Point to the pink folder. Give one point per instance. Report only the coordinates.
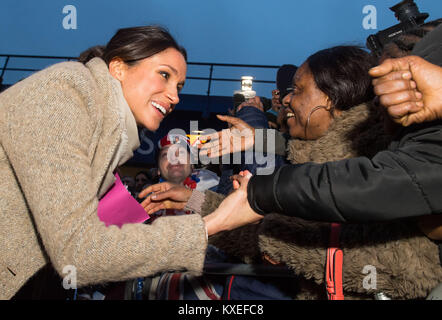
(118, 207)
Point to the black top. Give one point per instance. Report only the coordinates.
(403, 181)
(430, 47)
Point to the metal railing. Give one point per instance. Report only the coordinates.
(210, 78)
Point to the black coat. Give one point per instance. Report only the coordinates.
(403, 181)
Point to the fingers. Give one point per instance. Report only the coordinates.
(156, 197)
(209, 140)
(241, 179)
(387, 86)
(228, 119)
(393, 76)
(206, 138)
(390, 65)
(153, 188)
(149, 205)
(156, 202)
(246, 173)
(154, 207)
(400, 97)
(401, 110)
(213, 150)
(417, 117)
(236, 184)
(146, 202)
(218, 146)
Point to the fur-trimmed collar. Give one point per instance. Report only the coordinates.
(358, 131)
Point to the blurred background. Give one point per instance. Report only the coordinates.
(225, 39)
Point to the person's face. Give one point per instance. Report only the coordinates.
(140, 181)
(151, 86)
(304, 98)
(174, 163)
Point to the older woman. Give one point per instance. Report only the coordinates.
(63, 133)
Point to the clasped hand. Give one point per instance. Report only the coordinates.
(410, 88)
(233, 212)
(164, 195)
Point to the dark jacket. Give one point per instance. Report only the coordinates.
(403, 181)
(406, 261)
(430, 47)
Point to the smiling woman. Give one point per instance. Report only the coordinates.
(151, 68)
(63, 133)
(151, 86)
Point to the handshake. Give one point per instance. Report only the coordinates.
(233, 212)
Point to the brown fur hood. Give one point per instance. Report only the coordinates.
(394, 258)
(357, 132)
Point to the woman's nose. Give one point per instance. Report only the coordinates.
(173, 97)
(286, 100)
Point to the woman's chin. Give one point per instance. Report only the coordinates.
(292, 132)
(152, 125)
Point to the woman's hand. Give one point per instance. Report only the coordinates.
(239, 137)
(165, 195)
(410, 88)
(234, 211)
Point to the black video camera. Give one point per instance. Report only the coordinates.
(409, 17)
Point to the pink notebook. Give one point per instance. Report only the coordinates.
(118, 207)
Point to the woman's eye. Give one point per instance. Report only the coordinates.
(165, 74)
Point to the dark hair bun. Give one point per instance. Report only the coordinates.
(134, 44)
(91, 53)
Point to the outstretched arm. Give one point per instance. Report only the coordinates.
(401, 182)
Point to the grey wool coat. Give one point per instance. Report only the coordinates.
(59, 130)
(394, 258)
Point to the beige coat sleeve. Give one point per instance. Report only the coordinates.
(48, 142)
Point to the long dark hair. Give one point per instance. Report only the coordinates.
(134, 44)
(342, 74)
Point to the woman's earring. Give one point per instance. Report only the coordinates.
(309, 116)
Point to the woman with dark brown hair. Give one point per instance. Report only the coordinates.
(63, 133)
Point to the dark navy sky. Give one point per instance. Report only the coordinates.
(224, 31)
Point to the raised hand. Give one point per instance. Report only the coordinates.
(239, 137)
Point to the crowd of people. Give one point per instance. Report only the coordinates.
(356, 180)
